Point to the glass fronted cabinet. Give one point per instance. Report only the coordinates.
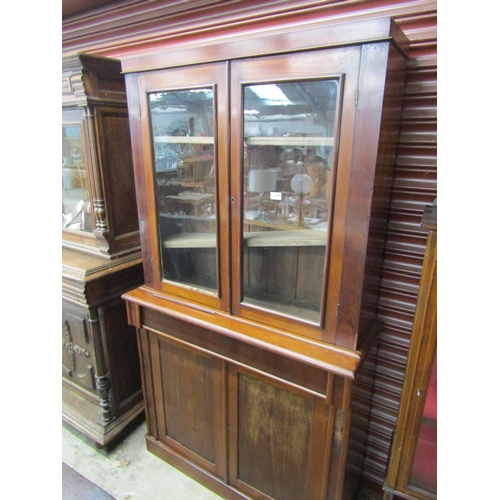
(412, 467)
(263, 171)
(257, 196)
(99, 208)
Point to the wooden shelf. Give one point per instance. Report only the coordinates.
(300, 238)
(296, 237)
(180, 139)
(289, 141)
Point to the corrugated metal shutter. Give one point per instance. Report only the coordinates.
(415, 185)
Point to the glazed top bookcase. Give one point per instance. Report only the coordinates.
(99, 208)
(264, 173)
(263, 168)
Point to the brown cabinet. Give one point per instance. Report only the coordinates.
(101, 251)
(412, 469)
(263, 169)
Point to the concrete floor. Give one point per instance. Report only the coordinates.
(129, 471)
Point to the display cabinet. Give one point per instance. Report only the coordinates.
(101, 257)
(263, 169)
(412, 469)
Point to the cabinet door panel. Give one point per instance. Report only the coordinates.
(190, 402)
(78, 360)
(277, 438)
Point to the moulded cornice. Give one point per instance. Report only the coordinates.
(134, 26)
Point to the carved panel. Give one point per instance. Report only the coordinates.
(77, 359)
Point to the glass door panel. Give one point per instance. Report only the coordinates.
(288, 158)
(182, 125)
(424, 468)
(75, 191)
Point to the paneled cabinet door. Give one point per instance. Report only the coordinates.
(278, 438)
(189, 396)
(78, 361)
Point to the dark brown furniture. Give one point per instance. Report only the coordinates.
(412, 468)
(77, 487)
(263, 169)
(101, 385)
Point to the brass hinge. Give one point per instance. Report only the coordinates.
(357, 97)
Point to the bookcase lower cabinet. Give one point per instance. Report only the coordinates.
(245, 420)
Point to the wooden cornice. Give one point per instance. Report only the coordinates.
(132, 26)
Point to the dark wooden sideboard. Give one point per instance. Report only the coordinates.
(101, 258)
(263, 219)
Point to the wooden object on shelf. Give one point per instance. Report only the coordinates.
(412, 467)
(256, 383)
(101, 259)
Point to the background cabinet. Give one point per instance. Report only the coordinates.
(412, 469)
(212, 304)
(101, 251)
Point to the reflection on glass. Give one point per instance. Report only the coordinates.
(288, 159)
(183, 148)
(75, 193)
(424, 469)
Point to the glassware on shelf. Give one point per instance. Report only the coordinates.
(75, 194)
(288, 132)
(184, 164)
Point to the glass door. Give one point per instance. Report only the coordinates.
(291, 108)
(184, 167)
(187, 175)
(76, 213)
(289, 137)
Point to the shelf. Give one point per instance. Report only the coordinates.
(175, 139)
(289, 141)
(299, 237)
